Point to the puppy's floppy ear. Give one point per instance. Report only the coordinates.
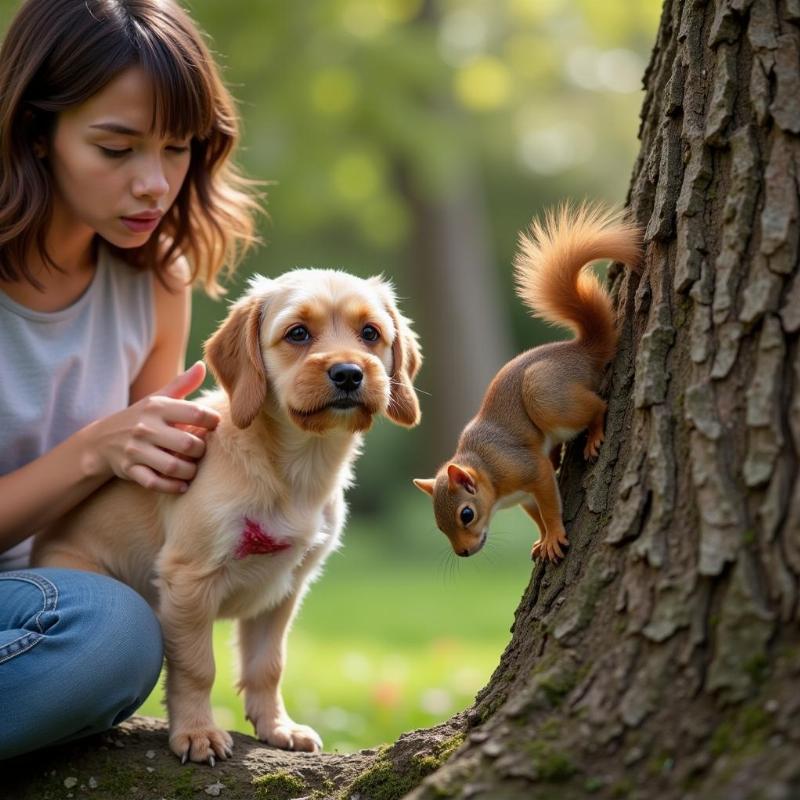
(234, 355)
(406, 360)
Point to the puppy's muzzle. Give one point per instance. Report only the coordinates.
(346, 378)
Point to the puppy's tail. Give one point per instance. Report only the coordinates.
(550, 275)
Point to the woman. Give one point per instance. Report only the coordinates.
(116, 194)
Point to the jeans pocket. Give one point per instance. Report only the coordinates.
(19, 645)
(39, 617)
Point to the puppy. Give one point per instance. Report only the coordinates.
(306, 361)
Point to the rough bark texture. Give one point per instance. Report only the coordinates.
(661, 658)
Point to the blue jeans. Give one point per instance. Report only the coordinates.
(79, 653)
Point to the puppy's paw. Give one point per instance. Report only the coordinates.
(205, 743)
(288, 735)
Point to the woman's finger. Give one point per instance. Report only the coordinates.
(185, 412)
(168, 464)
(201, 433)
(181, 442)
(149, 479)
(188, 381)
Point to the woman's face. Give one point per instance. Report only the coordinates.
(112, 174)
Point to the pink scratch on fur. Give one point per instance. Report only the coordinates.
(256, 541)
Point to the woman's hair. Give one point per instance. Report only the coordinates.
(57, 54)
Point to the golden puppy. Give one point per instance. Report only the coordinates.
(306, 361)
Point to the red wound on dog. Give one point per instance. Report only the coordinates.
(256, 541)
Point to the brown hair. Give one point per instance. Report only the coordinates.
(57, 54)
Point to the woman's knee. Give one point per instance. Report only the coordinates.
(94, 664)
(120, 631)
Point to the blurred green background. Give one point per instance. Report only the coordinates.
(415, 139)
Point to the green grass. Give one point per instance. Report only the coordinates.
(398, 633)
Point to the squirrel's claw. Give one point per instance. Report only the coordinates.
(550, 547)
(592, 449)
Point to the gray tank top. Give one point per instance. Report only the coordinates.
(60, 371)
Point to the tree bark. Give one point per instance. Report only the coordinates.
(662, 657)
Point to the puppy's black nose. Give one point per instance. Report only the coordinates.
(464, 553)
(346, 377)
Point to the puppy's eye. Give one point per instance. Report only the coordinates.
(298, 334)
(369, 333)
(466, 516)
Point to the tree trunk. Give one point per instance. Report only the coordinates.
(460, 318)
(662, 657)
(461, 323)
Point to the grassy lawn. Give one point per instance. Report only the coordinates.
(398, 633)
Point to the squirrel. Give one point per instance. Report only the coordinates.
(510, 451)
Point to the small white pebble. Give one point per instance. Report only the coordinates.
(493, 748)
(214, 789)
(69, 783)
(150, 769)
(771, 706)
(92, 783)
(150, 754)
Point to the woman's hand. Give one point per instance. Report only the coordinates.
(158, 440)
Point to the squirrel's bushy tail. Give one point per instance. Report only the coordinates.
(550, 275)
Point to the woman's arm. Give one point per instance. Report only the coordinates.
(173, 305)
(156, 441)
(142, 443)
(45, 489)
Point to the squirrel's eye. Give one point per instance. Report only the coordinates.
(466, 515)
(369, 333)
(298, 334)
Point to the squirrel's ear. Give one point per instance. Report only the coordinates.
(460, 477)
(425, 485)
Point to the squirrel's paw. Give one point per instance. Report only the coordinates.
(593, 443)
(550, 547)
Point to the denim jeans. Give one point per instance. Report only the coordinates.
(79, 653)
